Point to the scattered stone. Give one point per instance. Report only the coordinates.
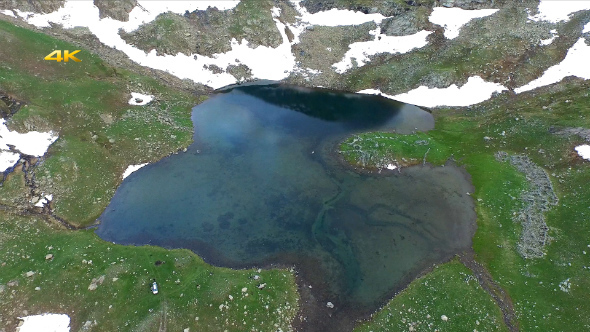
(330, 305)
(256, 277)
(29, 274)
(37, 288)
(444, 318)
(12, 283)
(244, 290)
(261, 286)
(49, 257)
(95, 282)
(230, 297)
(537, 200)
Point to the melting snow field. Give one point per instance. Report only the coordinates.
(555, 11)
(8, 159)
(361, 51)
(452, 19)
(278, 63)
(574, 64)
(32, 143)
(583, 151)
(45, 323)
(132, 168)
(474, 91)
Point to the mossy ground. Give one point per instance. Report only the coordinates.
(452, 291)
(99, 136)
(86, 103)
(191, 292)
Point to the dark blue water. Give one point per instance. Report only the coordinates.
(263, 184)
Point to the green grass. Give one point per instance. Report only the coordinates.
(99, 135)
(450, 290)
(518, 124)
(86, 103)
(189, 288)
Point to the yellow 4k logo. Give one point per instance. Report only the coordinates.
(56, 55)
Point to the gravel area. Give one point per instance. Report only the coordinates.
(537, 199)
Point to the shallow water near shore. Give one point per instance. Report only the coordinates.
(263, 184)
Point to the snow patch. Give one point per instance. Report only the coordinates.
(375, 92)
(132, 168)
(586, 28)
(574, 64)
(474, 91)
(583, 151)
(265, 62)
(140, 99)
(452, 19)
(32, 143)
(360, 51)
(8, 159)
(556, 11)
(7, 12)
(45, 200)
(46, 323)
(335, 17)
(391, 166)
(548, 41)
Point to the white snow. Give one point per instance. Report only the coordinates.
(45, 323)
(583, 151)
(8, 159)
(548, 41)
(376, 92)
(574, 64)
(46, 199)
(586, 28)
(32, 143)
(452, 19)
(555, 11)
(132, 168)
(335, 17)
(265, 62)
(145, 99)
(7, 12)
(474, 91)
(360, 51)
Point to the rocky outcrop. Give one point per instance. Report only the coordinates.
(117, 9)
(207, 32)
(8, 105)
(37, 6)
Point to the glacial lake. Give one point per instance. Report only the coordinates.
(263, 185)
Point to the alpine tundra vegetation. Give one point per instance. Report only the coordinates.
(507, 84)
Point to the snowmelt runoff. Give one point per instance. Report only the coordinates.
(278, 63)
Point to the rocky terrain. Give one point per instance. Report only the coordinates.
(530, 250)
(537, 200)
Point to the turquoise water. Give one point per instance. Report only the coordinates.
(263, 184)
